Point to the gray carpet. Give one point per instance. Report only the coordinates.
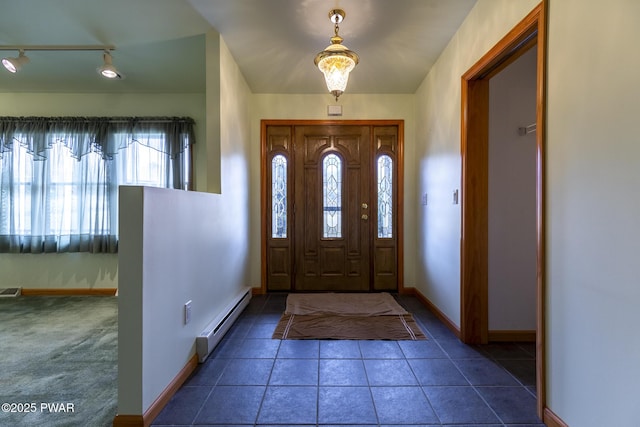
(57, 350)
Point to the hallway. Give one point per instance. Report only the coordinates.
(253, 380)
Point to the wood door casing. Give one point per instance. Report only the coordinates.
(359, 260)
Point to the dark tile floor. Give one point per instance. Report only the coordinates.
(253, 380)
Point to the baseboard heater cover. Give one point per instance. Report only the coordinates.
(213, 333)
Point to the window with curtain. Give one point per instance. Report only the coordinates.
(59, 177)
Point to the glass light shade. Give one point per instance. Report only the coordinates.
(336, 62)
(336, 71)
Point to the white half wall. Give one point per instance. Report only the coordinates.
(512, 197)
(178, 246)
(437, 155)
(593, 212)
(173, 249)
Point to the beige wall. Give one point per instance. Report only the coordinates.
(438, 164)
(314, 107)
(593, 211)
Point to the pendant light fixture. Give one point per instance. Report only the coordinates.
(336, 61)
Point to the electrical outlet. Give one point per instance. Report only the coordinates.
(455, 197)
(187, 312)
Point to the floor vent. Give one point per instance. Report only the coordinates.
(9, 292)
(213, 333)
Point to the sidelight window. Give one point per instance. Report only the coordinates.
(279, 197)
(332, 196)
(385, 197)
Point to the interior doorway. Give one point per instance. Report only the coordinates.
(512, 201)
(474, 322)
(332, 205)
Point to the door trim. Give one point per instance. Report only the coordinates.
(474, 321)
(264, 123)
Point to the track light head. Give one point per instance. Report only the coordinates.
(108, 70)
(13, 65)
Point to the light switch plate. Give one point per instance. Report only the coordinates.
(187, 312)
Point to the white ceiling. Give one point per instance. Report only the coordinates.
(160, 43)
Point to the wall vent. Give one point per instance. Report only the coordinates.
(213, 333)
(9, 292)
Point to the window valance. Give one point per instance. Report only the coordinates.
(59, 176)
(104, 135)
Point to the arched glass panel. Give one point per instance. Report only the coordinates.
(332, 196)
(279, 197)
(385, 197)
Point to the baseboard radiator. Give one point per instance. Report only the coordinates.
(213, 333)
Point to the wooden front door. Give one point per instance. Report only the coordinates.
(331, 207)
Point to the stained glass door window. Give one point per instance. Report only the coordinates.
(279, 197)
(385, 197)
(332, 196)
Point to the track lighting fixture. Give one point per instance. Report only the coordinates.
(13, 65)
(107, 70)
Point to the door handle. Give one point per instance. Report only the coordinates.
(365, 216)
(365, 206)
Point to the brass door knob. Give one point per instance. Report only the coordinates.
(365, 206)
(364, 216)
